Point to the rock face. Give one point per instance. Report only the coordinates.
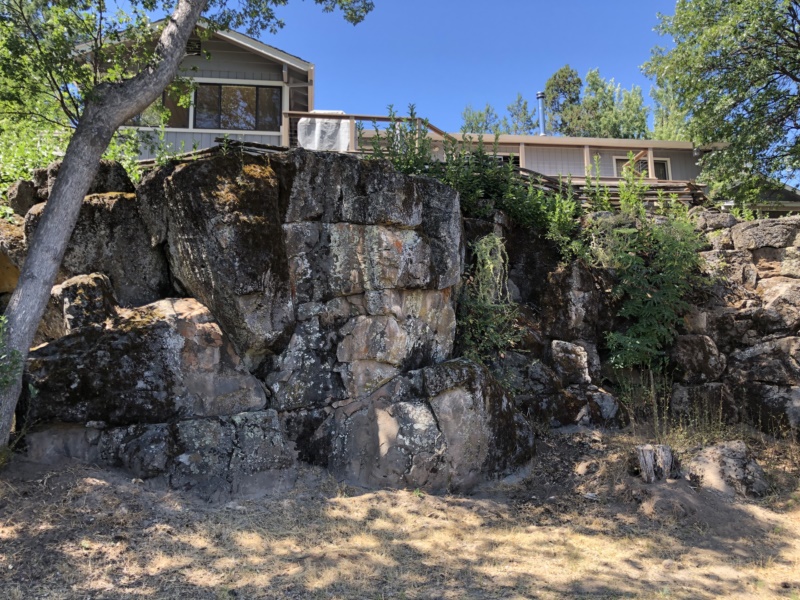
(735, 358)
(110, 238)
(111, 177)
(157, 363)
(440, 428)
(318, 327)
(304, 235)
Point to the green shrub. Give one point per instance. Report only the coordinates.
(404, 143)
(486, 315)
(656, 265)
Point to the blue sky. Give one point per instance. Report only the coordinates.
(445, 54)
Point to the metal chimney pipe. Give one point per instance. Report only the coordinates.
(540, 98)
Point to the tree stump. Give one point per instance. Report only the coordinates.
(655, 462)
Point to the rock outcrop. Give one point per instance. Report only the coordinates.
(736, 356)
(318, 324)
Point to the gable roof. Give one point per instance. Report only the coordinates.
(243, 41)
(256, 47)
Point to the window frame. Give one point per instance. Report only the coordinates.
(271, 83)
(220, 85)
(656, 159)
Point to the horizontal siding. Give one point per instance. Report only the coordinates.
(569, 161)
(231, 62)
(684, 165)
(179, 142)
(554, 161)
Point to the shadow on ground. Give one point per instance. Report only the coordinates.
(81, 532)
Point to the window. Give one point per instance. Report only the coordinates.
(237, 107)
(152, 115)
(660, 165)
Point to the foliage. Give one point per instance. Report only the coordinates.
(656, 265)
(520, 119)
(562, 95)
(480, 121)
(404, 143)
(595, 107)
(734, 70)
(486, 320)
(670, 119)
(597, 194)
(484, 182)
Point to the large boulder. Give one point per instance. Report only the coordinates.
(154, 364)
(245, 454)
(269, 244)
(110, 238)
(766, 233)
(445, 427)
(22, 196)
(12, 252)
(111, 177)
(697, 359)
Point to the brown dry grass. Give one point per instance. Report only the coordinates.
(81, 532)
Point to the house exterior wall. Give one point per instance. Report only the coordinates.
(555, 161)
(231, 64)
(558, 161)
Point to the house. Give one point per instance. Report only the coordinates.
(243, 86)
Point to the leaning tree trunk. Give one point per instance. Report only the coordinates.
(111, 106)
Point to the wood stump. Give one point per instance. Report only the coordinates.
(655, 462)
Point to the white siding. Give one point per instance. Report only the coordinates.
(182, 141)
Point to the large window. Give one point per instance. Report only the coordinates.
(237, 107)
(151, 116)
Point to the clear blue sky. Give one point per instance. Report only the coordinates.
(445, 54)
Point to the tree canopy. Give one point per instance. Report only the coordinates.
(519, 120)
(735, 70)
(595, 107)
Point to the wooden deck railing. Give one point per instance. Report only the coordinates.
(353, 120)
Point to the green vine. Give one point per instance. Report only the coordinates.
(487, 316)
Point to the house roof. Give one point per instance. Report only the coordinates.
(243, 41)
(550, 141)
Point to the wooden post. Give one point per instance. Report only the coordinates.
(587, 159)
(285, 130)
(353, 141)
(522, 161)
(651, 164)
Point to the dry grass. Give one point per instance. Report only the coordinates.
(89, 533)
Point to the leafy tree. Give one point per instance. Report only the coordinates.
(520, 120)
(480, 121)
(100, 69)
(594, 108)
(562, 96)
(735, 70)
(670, 119)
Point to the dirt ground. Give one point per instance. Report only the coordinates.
(580, 526)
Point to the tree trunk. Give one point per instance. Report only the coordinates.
(111, 106)
(655, 462)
